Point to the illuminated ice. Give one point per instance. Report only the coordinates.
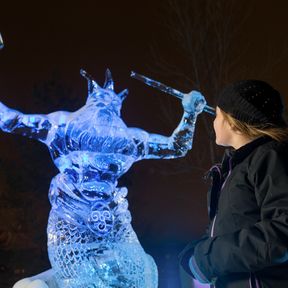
(91, 242)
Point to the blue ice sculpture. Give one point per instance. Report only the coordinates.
(91, 242)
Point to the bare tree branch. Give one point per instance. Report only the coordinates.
(201, 32)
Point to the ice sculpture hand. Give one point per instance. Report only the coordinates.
(193, 102)
(3, 109)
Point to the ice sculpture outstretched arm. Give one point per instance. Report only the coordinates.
(36, 126)
(181, 140)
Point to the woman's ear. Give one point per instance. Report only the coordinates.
(230, 125)
(235, 130)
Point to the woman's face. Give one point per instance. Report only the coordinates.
(223, 129)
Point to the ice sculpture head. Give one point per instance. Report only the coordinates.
(104, 96)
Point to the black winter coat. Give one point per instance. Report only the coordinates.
(247, 242)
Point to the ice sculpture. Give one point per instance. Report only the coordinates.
(91, 242)
(1, 42)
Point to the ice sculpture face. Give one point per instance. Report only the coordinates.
(91, 242)
(104, 97)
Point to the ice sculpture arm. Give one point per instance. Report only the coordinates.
(181, 140)
(35, 126)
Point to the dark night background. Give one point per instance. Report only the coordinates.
(187, 44)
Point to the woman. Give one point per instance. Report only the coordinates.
(247, 241)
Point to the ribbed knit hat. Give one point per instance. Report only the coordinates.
(253, 102)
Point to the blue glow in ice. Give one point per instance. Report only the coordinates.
(91, 242)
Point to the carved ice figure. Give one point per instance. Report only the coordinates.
(91, 242)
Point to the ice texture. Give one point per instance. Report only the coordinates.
(91, 242)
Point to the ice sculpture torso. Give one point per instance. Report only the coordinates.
(90, 238)
(91, 242)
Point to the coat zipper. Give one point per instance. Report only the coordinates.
(214, 219)
(257, 285)
(256, 282)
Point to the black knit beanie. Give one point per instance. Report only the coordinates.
(253, 102)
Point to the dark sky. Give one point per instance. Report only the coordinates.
(46, 38)
(43, 37)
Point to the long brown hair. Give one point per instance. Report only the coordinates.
(279, 134)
